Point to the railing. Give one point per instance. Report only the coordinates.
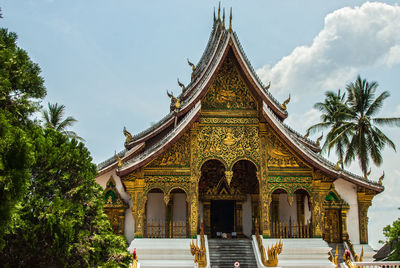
(199, 253)
(269, 258)
(164, 229)
(384, 264)
(291, 230)
(354, 255)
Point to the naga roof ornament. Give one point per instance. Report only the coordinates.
(118, 159)
(319, 139)
(182, 86)
(286, 102)
(381, 178)
(127, 134)
(175, 103)
(191, 65)
(307, 134)
(268, 86)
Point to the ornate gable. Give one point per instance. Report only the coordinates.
(279, 155)
(229, 90)
(176, 156)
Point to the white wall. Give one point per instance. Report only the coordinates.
(348, 192)
(307, 211)
(155, 207)
(285, 210)
(179, 207)
(246, 216)
(129, 222)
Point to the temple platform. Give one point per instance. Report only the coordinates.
(368, 252)
(305, 252)
(163, 252)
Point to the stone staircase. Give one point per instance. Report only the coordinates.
(225, 252)
(341, 249)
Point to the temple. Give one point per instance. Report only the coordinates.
(224, 155)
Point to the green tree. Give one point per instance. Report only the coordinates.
(366, 139)
(392, 235)
(54, 118)
(62, 222)
(334, 112)
(355, 127)
(21, 87)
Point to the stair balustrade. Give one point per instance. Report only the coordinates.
(164, 229)
(289, 229)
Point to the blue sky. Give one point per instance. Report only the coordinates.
(111, 62)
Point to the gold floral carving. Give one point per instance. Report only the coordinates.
(278, 155)
(226, 143)
(176, 156)
(364, 198)
(229, 91)
(228, 120)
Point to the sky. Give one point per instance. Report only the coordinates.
(111, 62)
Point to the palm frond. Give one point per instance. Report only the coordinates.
(390, 122)
(377, 104)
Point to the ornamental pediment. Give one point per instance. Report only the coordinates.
(229, 90)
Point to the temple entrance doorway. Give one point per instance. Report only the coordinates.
(222, 217)
(229, 200)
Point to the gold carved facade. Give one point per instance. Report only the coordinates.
(229, 130)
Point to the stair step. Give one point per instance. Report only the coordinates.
(224, 253)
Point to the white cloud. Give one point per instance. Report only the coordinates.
(352, 38)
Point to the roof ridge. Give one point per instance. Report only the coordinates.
(161, 141)
(254, 72)
(319, 157)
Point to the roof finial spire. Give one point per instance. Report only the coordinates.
(223, 18)
(219, 11)
(214, 15)
(230, 21)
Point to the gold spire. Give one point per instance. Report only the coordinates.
(214, 15)
(230, 21)
(223, 18)
(219, 11)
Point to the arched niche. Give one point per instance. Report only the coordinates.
(114, 207)
(155, 213)
(244, 179)
(335, 226)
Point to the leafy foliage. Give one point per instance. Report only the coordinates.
(20, 87)
(353, 126)
(63, 212)
(53, 118)
(51, 208)
(392, 234)
(20, 80)
(333, 113)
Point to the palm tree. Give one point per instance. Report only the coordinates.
(356, 127)
(367, 140)
(53, 118)
(334, 111)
